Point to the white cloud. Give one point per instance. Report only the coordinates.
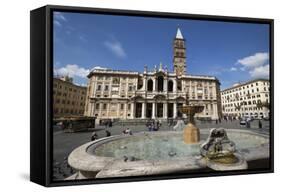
(242, 68)
(257, 65)
(99, 68)
(260, 72)
(57, 23)
(116, 47)
(72, 70)
(59, 18)
(256, 60)
(233, 69)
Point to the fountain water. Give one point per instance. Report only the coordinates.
(162, 152)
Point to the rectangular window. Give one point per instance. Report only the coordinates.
(106, 88)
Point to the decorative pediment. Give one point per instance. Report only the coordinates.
(180, 98)
(160, 73)
(159, 97)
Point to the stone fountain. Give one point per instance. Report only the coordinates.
(165, 152)
(191, 133)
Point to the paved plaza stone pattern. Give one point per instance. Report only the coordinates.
(65, 143)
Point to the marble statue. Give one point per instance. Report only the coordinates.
(217, 144)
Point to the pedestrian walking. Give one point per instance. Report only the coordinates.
(260, 124)
(149, 127)
(248, 125)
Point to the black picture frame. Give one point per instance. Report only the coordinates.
(41, 58)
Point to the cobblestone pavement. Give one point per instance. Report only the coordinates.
(65, 143)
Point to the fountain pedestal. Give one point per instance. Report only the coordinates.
(191, 134)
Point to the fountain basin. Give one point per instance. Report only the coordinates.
(150, 153)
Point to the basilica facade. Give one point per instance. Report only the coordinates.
(153, 94)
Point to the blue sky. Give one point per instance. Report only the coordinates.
(232, 52)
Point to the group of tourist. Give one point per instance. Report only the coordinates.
(106, 122)
(218, 120)
(95, 135)
(153, 125)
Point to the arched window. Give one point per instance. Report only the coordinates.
(150, 85)
(160, 83)
(170, 86)
(140, 82)
(179, 85)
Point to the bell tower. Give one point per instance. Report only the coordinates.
(179, 59)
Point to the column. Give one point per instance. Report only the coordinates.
(100, 107)
(107, 109)
(125, 112)
(118, 108)
(110, 89)
(154, 84)
(165, 89)
(165, 108)
(93, 107)
(175, 86)
(144, 86)
(153, 110)
(143, 110)
(215, 111)
(175, 110)
(132, 110)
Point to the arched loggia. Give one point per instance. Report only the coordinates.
(150, 85)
